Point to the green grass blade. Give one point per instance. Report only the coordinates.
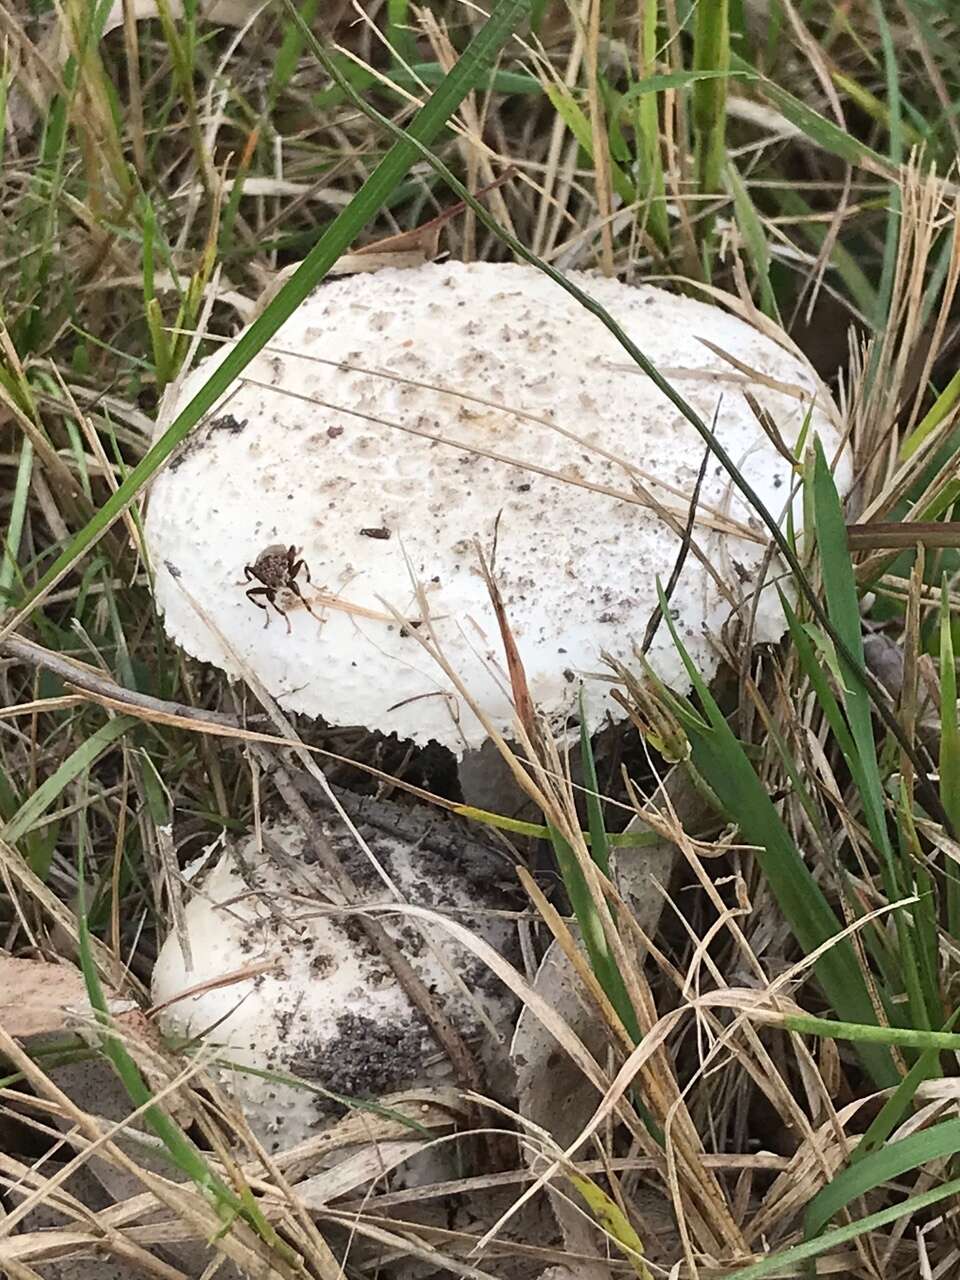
(18, 511)
(925, 930)
(682, 80)
(875, 107)
(719, 756)
(288, 55)
(569, 111)
(870, 1033)
(711, 52)
(891, 240)
(82, 758)
(813, 669)
(941, 407)
(581, 899)
(594, 936)
(469, 71)
(646, 124)
(926, 1067)
(399, 36)
(432, 73)
(599, 847)
(536, 830)
(949, 747)
(895, 1159)
(754, 239)
(822, 132)
(783, 1263)
(843, 609)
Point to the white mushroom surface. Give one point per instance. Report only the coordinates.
(396, 417)
(321, 1002)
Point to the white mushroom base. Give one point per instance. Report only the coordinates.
(397, 417)
(323, 1003)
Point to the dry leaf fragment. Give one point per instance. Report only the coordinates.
(39, 998)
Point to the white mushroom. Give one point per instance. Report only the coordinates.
(397, 417)
(319, 1001)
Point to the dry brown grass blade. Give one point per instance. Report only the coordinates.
(561, 156)
(890, 375)
(16, 871)
(431, 1108)
(603, 192)
(769, 328)
(819, 61)
(472, 141)
(99, 454)
(402, 1240)
(522, 700)
(188, 1203)
(880, 535)
(214, 984)
(54, 1244)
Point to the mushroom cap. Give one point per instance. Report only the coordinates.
(322, 1003)
(397, 417)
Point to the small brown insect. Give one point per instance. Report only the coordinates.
(277, 567)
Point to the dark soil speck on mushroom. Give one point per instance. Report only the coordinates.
(366, 1059)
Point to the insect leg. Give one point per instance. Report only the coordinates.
(295, 588)
(284, 615)
(262, 591)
